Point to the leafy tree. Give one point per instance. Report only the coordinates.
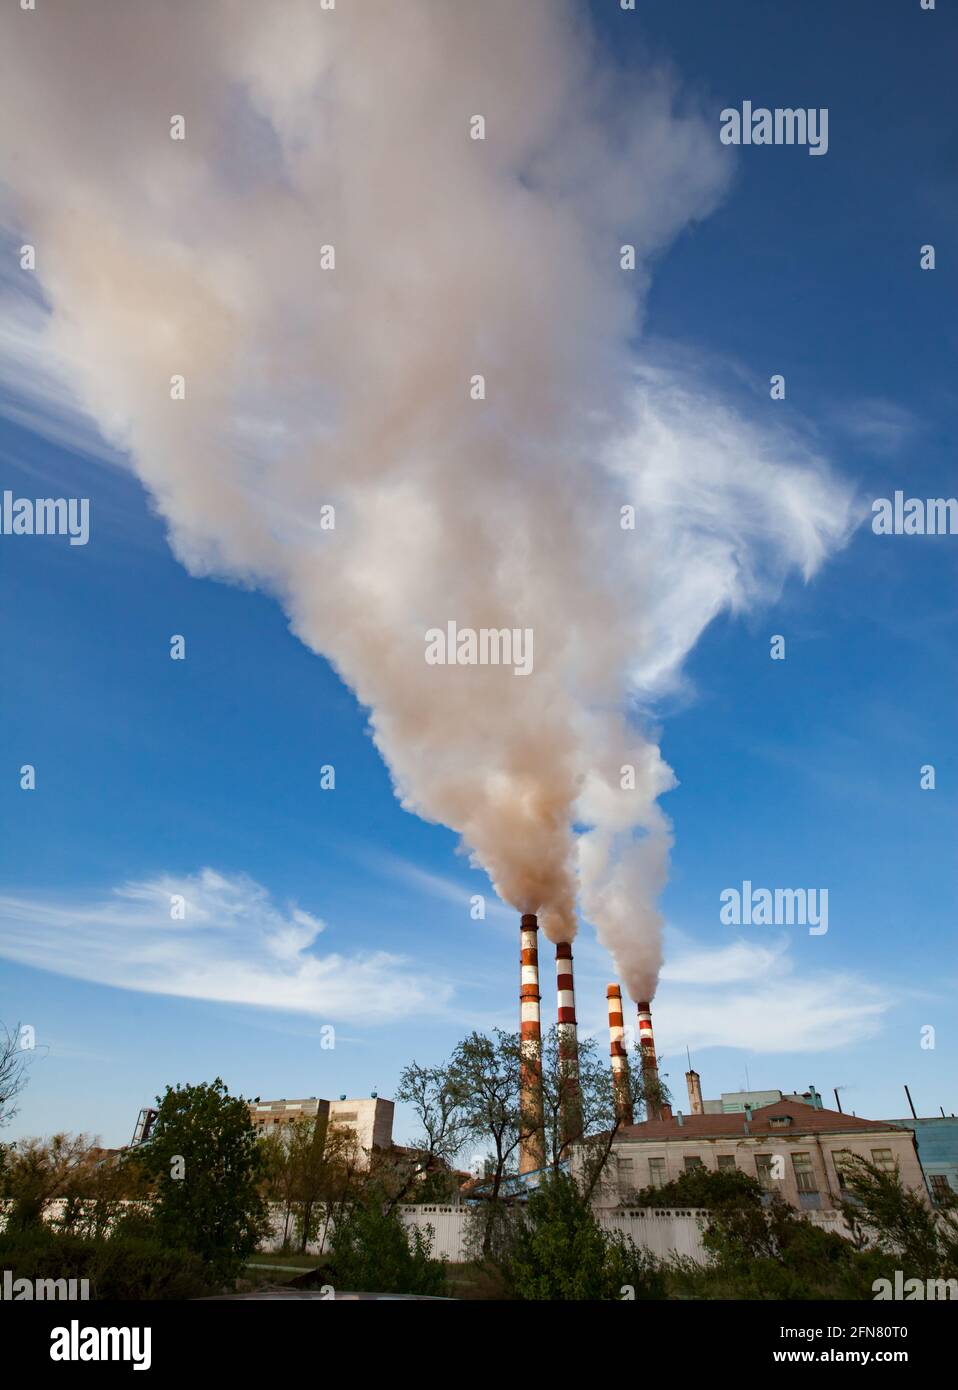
(39, 1171)
(762, 1248)
(308, 1162)
(432, 1094)
(207, 1170)
(560, 1252)
(484, 1077)
(899, 1221)
(373, 1252)
(602, 1112)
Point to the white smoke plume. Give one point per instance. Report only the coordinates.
(349, 387)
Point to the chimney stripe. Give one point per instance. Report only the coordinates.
(532, 1143)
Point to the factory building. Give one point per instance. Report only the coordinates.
(792, 1148)
(371, 1120)
(937, 1141)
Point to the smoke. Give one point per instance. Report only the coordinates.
(349, 387)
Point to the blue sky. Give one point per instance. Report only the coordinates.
(801, 773)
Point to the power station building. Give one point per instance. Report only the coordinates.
(370, 1120)
(792, 1148)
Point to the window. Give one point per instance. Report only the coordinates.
(692, 1162)
(940, 1186)
(656, 1172)
(841, 1157)
(883, 1159)
(804, 1173)
(768, 1170)
(726, 1161)
(625, 1167)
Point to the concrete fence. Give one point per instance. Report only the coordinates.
(665, 1231)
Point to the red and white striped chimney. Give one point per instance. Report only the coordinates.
(654, 1110)
(570, 1098)
(620, 1057)
(532, 1144)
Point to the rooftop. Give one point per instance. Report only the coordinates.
(793, 1117)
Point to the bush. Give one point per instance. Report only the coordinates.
(767, 1251)
(373, 1252)
(558, 1251)
(120, 1267)
(702, 1188)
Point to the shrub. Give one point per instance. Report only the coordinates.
(119, 1267)
(373, 1252)
(558, 1251)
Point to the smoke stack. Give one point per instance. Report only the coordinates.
(620, 1058)
(650, 1066)
(694, 1082)
(532, 1154)
(569, 1096)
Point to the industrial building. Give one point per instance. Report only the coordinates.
(791, 1148)
(371, 1120)
(937, 1141)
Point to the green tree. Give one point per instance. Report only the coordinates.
(373, 1252)
(207, 1170)
(558, 1251)
(899, 1221)
(701, 1187)
(39, 1171)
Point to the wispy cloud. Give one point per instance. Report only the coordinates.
(233, 945)
(440, 886)
(35, 390)
(880, 426)
(751, 996)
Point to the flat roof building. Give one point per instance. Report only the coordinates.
(370, 1119)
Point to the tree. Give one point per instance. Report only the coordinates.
(38, 1172)
(558, 1251)
(373, 1252)
(12, 1071)
(207, 1169)
(309, 1163)
(484, 1075)
(703, 1188)
(602, 1103)
(433, 1095)
(899, 1221)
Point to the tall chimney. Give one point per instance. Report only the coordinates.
(570, 1097)
(650, 1067)
(532, 1150)
(694, 1083)
(620, 1058)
